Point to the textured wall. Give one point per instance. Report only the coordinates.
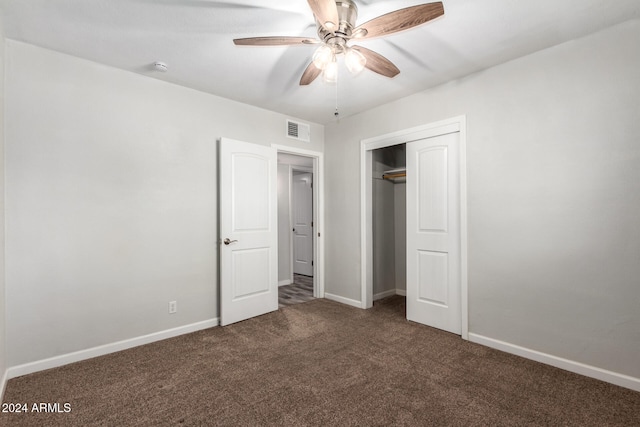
(111, 201)
(3, 353)
(553, 166)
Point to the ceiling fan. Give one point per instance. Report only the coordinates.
(336, 23)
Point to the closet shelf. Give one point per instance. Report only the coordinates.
(394, 174)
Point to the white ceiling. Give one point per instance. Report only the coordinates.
(194, 37)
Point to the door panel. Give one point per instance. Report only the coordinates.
(302, 223)
(432, 189)
(248, 220)
(247, 266)
(433, 277)
(433, 232)
(250, 198)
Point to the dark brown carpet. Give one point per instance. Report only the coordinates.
(320, 363)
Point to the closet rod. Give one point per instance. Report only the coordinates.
(394, 175)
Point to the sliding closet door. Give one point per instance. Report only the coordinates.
(433, 232)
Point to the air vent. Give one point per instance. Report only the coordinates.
(299, 131)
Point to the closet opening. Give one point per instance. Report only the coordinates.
(389, 201)
(414, 222)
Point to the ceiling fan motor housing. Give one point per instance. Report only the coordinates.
(347, 16)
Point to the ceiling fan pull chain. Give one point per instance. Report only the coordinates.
(337, 114)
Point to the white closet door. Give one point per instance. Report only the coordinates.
(433, 232)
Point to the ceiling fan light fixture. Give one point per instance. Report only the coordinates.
(355, 61)
(323, 56)
(330, 73)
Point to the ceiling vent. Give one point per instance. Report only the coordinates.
(299, 131)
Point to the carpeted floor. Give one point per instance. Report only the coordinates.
(319, 363)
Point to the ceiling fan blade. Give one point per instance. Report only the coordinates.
(399, 20)
(326, 12)
(309, 74)
(378, 63)
(274, 41)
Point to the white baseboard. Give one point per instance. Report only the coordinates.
(559, 362)
(384, 294)
(65, 359)
(284, 282)
(389, 293)
(3, 385)
(343, 300)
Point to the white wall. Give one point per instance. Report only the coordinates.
(553, 196)
(111, 201)
(3, 355)
(383, 216)
(284, 224)
(400, 234)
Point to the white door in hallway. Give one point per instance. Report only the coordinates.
(248, 230)
(302, 198)
(433, 232)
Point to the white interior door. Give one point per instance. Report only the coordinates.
(248, 230)
(433, 232)
(302, 201)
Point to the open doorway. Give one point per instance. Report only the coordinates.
(299, 223)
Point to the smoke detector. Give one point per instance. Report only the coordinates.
(160, 66)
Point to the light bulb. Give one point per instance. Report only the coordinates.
(330, 73)
(355, 61)
(322, 57)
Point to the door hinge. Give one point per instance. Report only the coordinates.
(312, 223)
(311, 263)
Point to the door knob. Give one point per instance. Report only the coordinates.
(227, 241)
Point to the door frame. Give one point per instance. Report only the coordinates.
(455, 124)
(318, 213)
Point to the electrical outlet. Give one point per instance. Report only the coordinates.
(173, 307)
